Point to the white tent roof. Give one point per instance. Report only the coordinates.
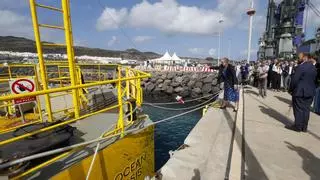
(175, 57)
(166, 56)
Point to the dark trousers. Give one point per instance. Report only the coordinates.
(287, 82)
(276, 81)
(269, 79)
(301, 111)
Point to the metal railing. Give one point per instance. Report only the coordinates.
(132, 89)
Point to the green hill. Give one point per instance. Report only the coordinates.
(20, 44)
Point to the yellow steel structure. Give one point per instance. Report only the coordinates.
(136, 77)
(40, 57)
(70, 52)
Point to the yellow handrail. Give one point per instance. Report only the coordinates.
(55, 90)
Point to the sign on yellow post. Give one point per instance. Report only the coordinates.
(131, 158)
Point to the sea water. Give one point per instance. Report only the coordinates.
(171, 134)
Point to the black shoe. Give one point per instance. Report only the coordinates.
(223, 107)
(305, 129)
(293, 128)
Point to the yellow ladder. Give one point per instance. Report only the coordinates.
(69, 45)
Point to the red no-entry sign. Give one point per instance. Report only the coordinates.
(22, 86)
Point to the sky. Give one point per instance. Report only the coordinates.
(187, 27)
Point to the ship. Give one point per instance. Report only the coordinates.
(71, 120)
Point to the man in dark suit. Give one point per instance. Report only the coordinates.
(302, 90)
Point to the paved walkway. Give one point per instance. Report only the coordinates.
(271, 151)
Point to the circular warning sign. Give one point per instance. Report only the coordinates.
(22, 86)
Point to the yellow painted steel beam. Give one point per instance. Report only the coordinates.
(49, 7)
(55, 90)
(40, 57)
(9, 70)
(120, 123)
(18, 65)
(71, 60)
(127, 84)
(51, 26)
(53, 44)
(38, 98)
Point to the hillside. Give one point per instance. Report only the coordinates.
(19, 44)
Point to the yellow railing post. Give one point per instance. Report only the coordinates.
(38, 89)
(59, 75)
(40, 57)
(9, 71)
(71, 61)
(139, 91)
(120, 124)
(99, 72)
(127, 84)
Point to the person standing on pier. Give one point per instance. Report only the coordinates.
(276, 76)
(302, 89)
(227, 75)
(287, 73)
(263, 75)
(270, 64)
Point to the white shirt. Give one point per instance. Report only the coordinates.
(276, 69)
(290, 70)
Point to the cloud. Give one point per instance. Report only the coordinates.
(14, 24)
(171, 17)
(140, 39)
(212, 52)
(196, 51)
(111, 19)
(113, 41)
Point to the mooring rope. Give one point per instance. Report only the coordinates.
(189, 100)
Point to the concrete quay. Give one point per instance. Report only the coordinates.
(250, 144)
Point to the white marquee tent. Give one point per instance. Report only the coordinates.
(168, 60)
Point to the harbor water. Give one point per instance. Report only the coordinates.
(170, 135)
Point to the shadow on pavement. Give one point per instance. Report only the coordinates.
(254, 169)
(197, 175)
(276, 115)
(287, 101)
(280, 117)
(314, 135)
(310, 163)
(252, 92)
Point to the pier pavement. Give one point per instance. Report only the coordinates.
(250, 144)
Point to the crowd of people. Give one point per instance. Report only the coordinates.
(274, 75)
(300, 78)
